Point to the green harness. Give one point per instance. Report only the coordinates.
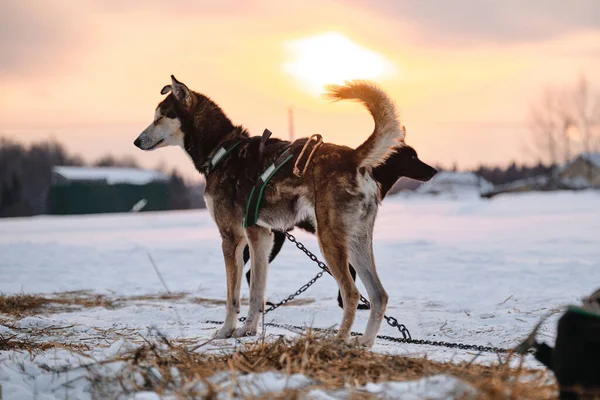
(251, 217)
(253, 205)
(581, 311)
(217, 155)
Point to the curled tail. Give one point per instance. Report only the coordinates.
(387, 133)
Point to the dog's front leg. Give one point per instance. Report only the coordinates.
(260, 241)
(233, 250)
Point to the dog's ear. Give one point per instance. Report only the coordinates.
(166, 89)
(182, 93)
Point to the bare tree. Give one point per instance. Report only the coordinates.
(566, 122)
(544, 124)
(586, 115)
(25, 175)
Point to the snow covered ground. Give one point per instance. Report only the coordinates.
(468, 270)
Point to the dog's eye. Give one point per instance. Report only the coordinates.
(158, 120)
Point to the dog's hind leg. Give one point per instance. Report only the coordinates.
(353, 275)
(360, 248)
(260, 241)
(341, 302)
(278, 241)
(333, 246)
(233, 251)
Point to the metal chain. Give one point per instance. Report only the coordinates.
(298, 292)
(310, 255)
(450, 345)
(393, 322)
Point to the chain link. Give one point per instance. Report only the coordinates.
(393, 322)
(304, 287)
(298, 292)
(450, 345)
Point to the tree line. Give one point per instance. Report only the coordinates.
(513, 172)
(26, 177)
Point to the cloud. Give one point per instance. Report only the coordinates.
(204, 7)
(500, 21)
(36, 34)
(40, 36)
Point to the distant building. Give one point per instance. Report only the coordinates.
(581, 173)
(455, 184)
(540, 183)
(82, 190)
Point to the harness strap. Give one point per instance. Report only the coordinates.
(215, 156)
(318, 139)
(263, 140)
(251, 217)
(581, 311)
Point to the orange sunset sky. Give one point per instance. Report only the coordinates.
(462, 72)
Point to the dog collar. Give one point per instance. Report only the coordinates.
(215, 157)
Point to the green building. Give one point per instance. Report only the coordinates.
(83, 190)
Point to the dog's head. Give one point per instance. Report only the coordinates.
(167, 127)
(406, 162)
(403, 162)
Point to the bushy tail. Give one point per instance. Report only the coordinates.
(387, 134)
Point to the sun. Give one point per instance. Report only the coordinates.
(333, 58)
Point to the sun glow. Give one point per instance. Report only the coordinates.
(333, 58)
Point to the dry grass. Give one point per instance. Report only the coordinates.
(331, 364)
(20, 343)
(26, 304)
(35, 340)
(38, 339)
(22, 305)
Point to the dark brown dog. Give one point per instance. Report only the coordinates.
(338, 195)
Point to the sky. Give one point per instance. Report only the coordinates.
(463, 73)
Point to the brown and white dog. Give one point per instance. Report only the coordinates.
(404, 162)
(338, 195)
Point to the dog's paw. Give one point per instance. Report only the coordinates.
(244, 331)
(223, 333)
(343, 337)
(364, 341)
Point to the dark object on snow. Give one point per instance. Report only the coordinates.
(575, 359)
